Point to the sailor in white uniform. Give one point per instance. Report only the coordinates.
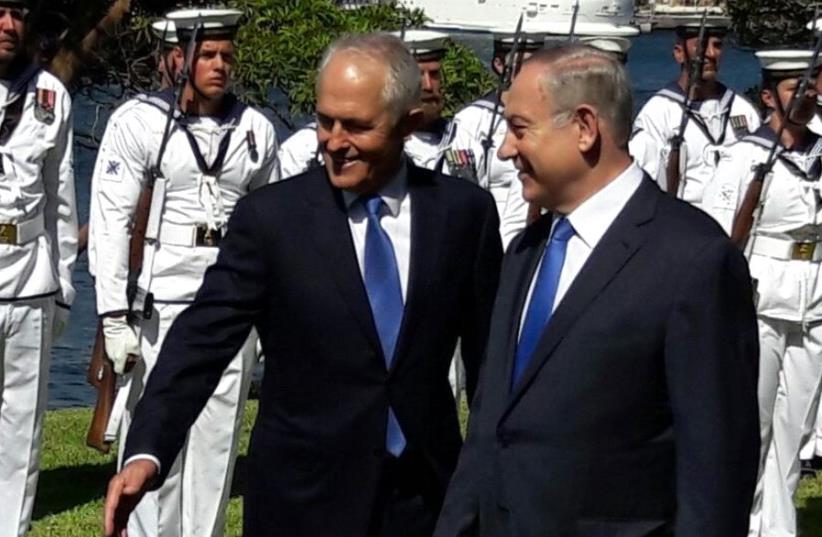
(217, 151)
(473, 153)
(718, 117)
(426, 146)
(38, 247)
(784, 253)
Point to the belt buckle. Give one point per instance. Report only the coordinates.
(8, 233)
(803, 251)
(208, 237)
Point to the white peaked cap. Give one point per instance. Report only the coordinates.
(165, 31)
(616, 45)
(426, 43)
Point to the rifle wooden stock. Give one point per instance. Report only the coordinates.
(744, 219)
(136, 245)
(672, 172)
(101, 376)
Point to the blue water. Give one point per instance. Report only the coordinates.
(651, 66)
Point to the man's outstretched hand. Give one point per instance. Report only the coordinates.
(125, 490)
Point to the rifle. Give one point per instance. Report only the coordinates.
(673, 168)
(750, 211)
(100, 372)
(504, 83)
(572, 32)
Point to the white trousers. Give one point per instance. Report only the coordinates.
(192, 500)
(790, 374)
(813, 447)
(25, 344)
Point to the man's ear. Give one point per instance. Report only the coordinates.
(411, 121)
(768, 98)
(587, 120)
(679, 52)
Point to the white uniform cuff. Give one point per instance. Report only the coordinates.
(144, 457)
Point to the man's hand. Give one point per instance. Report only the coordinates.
(122, 342)
(125, 490)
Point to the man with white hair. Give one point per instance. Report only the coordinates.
(358, 308)
(618, 397)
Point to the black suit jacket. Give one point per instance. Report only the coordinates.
(288, 267)
(637, 415)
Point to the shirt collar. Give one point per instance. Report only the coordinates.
(596, 214)
(392, 193)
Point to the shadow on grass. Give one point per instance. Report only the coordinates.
(810, 518)
(63, 489)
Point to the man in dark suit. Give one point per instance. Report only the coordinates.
(359, 277)
(618, 397)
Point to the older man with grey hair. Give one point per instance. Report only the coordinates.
(359, 278)
(618, 396)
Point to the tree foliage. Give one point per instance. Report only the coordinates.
(278, 47)
(760, 23)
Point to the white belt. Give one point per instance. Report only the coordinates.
(786, 249)
(189, 235)
(22, 232)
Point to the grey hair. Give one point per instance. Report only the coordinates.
(401, 92)
(579, 74)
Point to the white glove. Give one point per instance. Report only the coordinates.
(60, 321)
(259, 349)
(121, 342)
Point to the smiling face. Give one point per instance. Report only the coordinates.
(211, 73)
(360, 136)
(544, 148)
(688, 49)
(12, 33)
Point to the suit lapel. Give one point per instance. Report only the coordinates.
(428, 229)
(331, 234)
(617, 246)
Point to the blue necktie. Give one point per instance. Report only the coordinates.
(542, 297)
(382, 284)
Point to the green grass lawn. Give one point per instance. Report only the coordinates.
(74, 478)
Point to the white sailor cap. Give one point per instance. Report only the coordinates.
(217, 23)
(780, 64)
(528, 41)
(614, 45)
(425, 45)
(692, 29)
(165, 31)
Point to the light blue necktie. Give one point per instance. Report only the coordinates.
(382, 284)
(542, 297)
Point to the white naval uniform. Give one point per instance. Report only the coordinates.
(499, 177)
(192, 500)
(300, 151)
(789, 309)
(714, 125)
(813, 447)
(37, 196)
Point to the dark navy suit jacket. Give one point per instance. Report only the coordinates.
(637, 415)
(288, 267)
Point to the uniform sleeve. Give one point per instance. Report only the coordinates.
(115, 191)
(649, 143)
(711, 368)
(514, 215)
(724, 193)
(270, 170)
(297, 152)
(61, 204)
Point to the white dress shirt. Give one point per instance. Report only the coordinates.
(590, 222)
(396, 221)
